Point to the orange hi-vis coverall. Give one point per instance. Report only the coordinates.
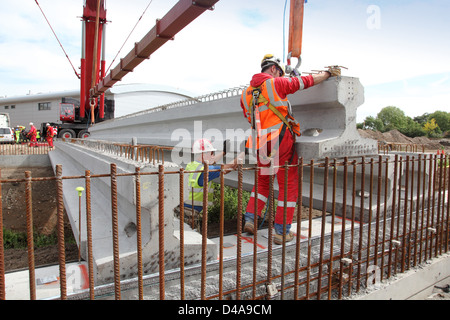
(274, 140)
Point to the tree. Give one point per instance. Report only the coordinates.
(392, 118)
(442, 119)
(372, 124)
(413, 129)
(432, 129)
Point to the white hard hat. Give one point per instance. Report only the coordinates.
(202, 145)
(47, 124)
(269, 60)
(31, 123)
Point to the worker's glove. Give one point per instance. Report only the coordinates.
(335, 71)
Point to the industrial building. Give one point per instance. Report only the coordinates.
(123, 98)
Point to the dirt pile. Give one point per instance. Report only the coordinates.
(394, 136)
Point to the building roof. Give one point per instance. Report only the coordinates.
(117, 89)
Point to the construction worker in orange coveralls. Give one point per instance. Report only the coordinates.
(267, 109)
(32, 135)
(49, 135)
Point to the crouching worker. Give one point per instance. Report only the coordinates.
(205, 152)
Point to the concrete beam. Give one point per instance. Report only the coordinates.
(326, 113)
(75, 161)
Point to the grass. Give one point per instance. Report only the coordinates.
(230, 203)
(18, 240)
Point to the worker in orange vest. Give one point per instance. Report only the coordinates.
(267, 109)
(49, 135)
(32, 135)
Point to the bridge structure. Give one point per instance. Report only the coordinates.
(326, 112)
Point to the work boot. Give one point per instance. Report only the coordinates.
(249, 227)
(278, 238)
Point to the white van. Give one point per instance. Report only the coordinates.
(6, 135)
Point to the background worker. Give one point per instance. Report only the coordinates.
(204, 151)
(266, 107)
(49, 135)
(32, 134)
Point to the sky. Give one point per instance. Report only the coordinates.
(399, 49)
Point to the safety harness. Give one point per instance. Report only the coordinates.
(258, 99)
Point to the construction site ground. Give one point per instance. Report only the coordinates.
(45, 215)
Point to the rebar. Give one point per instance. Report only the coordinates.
(61, 241)
(139, 232)
(89, 234)
(161, 232)
(413, 229)
(30, 240)
(115, 231)
(2, 253)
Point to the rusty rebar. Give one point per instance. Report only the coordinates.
(439, 223)
(383, 246)
(239, 233)
(182, 294)
(411, 211)
(161, 224)
(344, 218)
(255, 233)
(369, 224)
(271, 201)
(283, 245)
(322, 232)
(2, 254)
(427, 233)
(433, 202)
(30, 240)
(60, 233)
(350, 278)
(204, 228)
(361, 219)
(299, 226)
(115, 231)
(221, 222)
(417, 240)
(448, 203)
(139, 232)
(333, 215)
(378, 212)
(89, 234)
(311, 191)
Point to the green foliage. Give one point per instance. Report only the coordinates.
(371, 123)
(442, 119)
(390, 118)
(18, 240)
(230, 203)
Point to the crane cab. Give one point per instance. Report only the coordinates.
(67, 112)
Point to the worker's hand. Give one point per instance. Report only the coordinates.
(335, 71)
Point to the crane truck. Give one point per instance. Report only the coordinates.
(77, 115)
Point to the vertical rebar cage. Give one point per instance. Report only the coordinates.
(379, 217)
